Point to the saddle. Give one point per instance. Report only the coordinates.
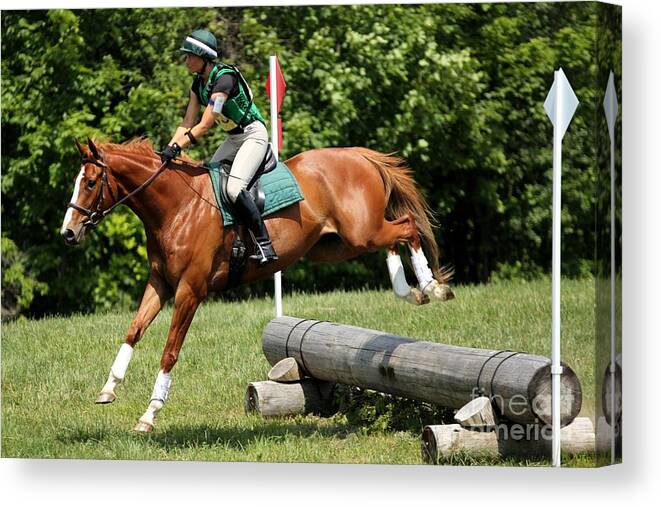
(255, 187)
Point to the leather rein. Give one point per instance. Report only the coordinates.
(95, 214)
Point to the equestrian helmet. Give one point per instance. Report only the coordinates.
(201, 43)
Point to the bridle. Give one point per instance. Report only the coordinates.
(95, 214)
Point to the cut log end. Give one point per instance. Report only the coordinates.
(429, 448)
(606, 389)
(251, 400)
(286, 370)
(477, 414)
(571, 396)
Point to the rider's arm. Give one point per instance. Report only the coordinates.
(190, 118)
(209, 116)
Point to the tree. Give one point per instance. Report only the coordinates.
(457, 89)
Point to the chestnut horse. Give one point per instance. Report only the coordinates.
(355, 200)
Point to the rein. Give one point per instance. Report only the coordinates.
(95, 216)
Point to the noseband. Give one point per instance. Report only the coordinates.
(95, 214)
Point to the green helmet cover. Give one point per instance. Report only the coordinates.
(201, 43)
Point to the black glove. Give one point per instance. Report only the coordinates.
(169, 152)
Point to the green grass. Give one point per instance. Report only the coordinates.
(52, 370)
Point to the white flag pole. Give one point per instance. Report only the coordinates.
(610, 109)
(560, 106)
(556, 369)
(277, 277)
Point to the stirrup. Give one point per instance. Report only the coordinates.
(265, 252)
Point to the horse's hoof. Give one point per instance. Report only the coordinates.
(438, 291)
(143, 427)
(416, 297)
(105, 398)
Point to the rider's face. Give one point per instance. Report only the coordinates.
(194, 63)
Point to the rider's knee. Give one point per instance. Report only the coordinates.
(234, 187)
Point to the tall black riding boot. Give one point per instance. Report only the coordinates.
(249, 214)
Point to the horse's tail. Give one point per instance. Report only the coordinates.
(403, 197)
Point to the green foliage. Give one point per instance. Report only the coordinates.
(515, 271)
(67, 74)
(373, 411)
(18, 287)
(455, 88)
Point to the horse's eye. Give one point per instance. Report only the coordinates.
(90, 184)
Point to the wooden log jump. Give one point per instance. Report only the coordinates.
(518, 384)
(521, 441)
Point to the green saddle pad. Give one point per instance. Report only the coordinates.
(280, 189)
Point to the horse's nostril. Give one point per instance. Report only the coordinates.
(69, 235)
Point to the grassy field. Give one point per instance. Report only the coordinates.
(52, 370)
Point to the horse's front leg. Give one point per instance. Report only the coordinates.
(156, 294)
(186, 301)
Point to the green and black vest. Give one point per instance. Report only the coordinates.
(239, 110)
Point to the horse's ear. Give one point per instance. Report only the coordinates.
(80, 147)
(93, 149)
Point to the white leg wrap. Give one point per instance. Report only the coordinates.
(111, 383)
(158, 397)
(421, 268)
(397, 276)
(118, 368)
(161, 386)
(149, 417)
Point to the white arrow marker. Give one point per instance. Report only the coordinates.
(610, 109)
(560, 106)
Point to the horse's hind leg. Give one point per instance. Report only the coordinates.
(400, 286)
(389, 234)
(156, 293)
(404, 230)
(430, 287)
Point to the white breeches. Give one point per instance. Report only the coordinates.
(247, 151)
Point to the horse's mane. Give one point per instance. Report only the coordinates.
(140, 146)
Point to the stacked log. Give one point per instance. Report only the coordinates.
(515, 440)
(280, 399)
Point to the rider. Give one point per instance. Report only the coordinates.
(227, 100)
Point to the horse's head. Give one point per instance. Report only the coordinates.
(89, 193)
